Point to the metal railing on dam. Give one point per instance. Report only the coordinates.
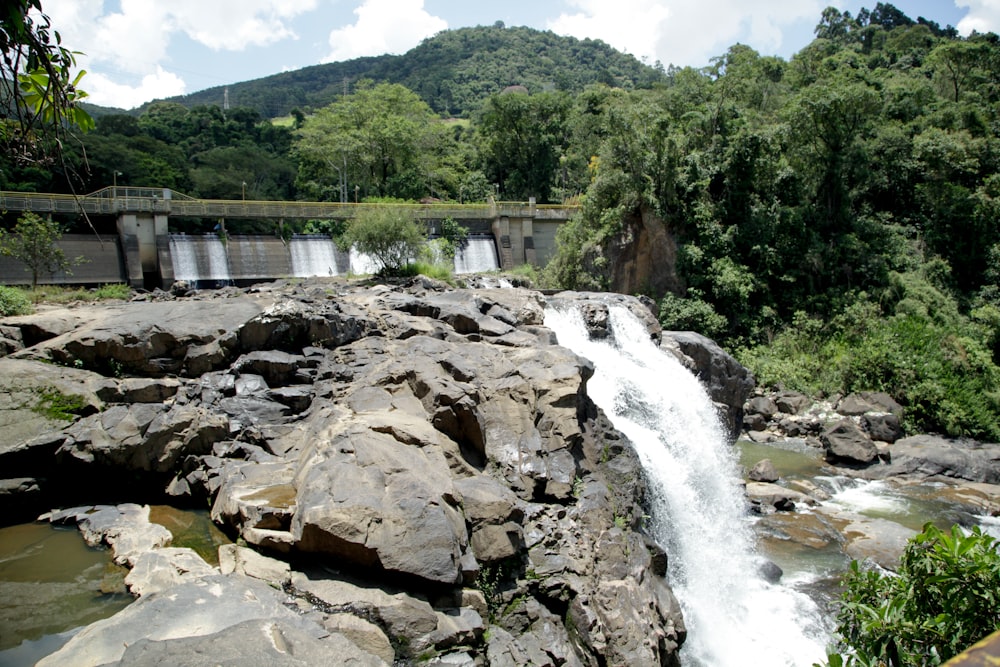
(118, 200)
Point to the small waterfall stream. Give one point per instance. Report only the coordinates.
(478, 255)
(200, 258)
(734, 617)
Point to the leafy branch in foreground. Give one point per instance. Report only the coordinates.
(945, 597)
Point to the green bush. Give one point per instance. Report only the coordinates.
(944, 598)
(388, 234)
(13, 301)
(937, 363)
(693, 314)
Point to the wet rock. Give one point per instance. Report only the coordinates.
(771, 496)
(845, 443)
(763, 471)
(882, 427)
(727, 381)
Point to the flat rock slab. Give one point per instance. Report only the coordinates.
(255, 643)
(198, 609)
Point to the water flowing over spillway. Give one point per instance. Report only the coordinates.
(199, 258)
(698, 512)
(478, 255)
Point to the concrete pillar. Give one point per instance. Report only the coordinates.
(528, 234)
(501, 233)
(141, 235)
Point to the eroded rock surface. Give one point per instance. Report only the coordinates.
(413, 439)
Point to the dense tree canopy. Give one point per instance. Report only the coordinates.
(854, 185)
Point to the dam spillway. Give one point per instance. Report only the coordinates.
(208, 260)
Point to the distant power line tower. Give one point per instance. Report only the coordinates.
(225, 99)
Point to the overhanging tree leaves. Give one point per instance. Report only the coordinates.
(39, 93)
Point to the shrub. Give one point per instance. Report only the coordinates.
(937, 363)
(692, 314)
(13, 301)
(388, 234)
(945, 597)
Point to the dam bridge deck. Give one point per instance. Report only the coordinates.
(117, 200)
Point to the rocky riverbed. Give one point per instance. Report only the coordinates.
(411, 473)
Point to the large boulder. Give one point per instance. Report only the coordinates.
(846, 444)
(929, 456)
(198, 609)
(728, 382)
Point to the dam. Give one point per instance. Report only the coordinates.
(149, 251)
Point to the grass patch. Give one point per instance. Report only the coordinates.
(58, 406)
(435, 271)
(60, 295)
(14, 301)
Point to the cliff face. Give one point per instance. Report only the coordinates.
(643, 259)
(421, 463)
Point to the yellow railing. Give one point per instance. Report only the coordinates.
(114, 200)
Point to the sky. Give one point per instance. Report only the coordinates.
(135, 51)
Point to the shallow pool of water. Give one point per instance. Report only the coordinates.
(52, 582)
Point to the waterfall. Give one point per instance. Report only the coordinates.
(478, 255)
(698, 511)
(199, 259)
(313, 255)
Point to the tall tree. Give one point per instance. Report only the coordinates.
(523, 138)
(381, 141)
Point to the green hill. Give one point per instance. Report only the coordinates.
(454, 72)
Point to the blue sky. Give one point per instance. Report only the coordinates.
(138, 50)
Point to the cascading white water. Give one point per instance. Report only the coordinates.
(478, 255)
(733, 616)
(199, 258)
(313, 256)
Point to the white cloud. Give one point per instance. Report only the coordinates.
(159, 84)
(983, 16)
(135, 41)
(682, 32)
(384, 26)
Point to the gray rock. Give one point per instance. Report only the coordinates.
(925, 456)
(763, 471)
(765, 495)
(845, 443)
(234, 558)
(883, 427)
(728, 382)
(868, 401)
(763, 406)
(366, 636)
(792, 402)
(144, 437)
(161, 569)
(403, 615)
(125, 528)
(254, 643)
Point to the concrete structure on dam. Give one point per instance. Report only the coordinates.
(148, 251)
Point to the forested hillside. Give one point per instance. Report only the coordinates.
(453, 72)
(833, 218)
